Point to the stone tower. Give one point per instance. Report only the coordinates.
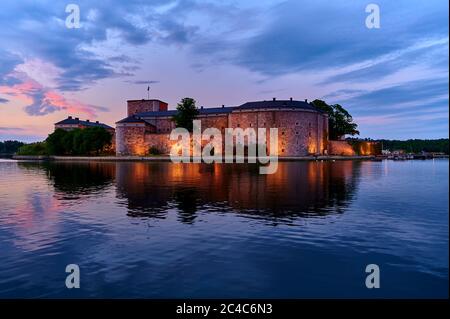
(141, 106)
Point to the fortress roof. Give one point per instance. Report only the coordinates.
(132, 119)
(216, 110)
(76, 121)
(272, 104)
(202, 111)
(157, 113)
(135, 119)
(304, 105)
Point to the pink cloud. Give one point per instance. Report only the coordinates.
(40, 100)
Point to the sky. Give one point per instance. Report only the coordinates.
(392, 79)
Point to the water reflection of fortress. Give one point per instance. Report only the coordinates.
(153, 190)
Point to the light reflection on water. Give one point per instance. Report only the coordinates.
(196, 230)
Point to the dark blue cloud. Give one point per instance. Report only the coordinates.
(8, 62)
(304, 35)
(38, 30)
(40, 106)
(414, 109)
(177, 33)
(82, 69)
(409, 92)
(142, 82)
(339, 93)
(296, 35)
(2, 128)
(433, 56)
(2, 100)
(122, 59)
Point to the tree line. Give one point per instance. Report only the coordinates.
(88, 141)
(10, 147)
(417, 145)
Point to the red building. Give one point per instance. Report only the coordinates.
(71, 123)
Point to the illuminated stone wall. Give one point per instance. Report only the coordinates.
(139, 106)
(130, 139)
(340, 148)
(365, 148)
(300, 132)
(162, 124)
(160, 141)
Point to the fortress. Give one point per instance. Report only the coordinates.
(302, 128)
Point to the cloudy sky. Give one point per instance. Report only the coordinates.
(393, 80)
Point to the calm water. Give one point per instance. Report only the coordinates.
(161, 230)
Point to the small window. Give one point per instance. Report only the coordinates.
(282, 133)
(282, 151)
(239, 125)
(296, 123)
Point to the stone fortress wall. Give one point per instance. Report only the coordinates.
(302, 130)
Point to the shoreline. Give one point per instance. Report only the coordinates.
(166, 158)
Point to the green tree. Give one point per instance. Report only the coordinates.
(88, 141)
(417, 146)
(55, 142)
(67, 141)
(10, 147)
(97, 139)
(38, 148)
(340, 122)
(78, 142)
(186, 113)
